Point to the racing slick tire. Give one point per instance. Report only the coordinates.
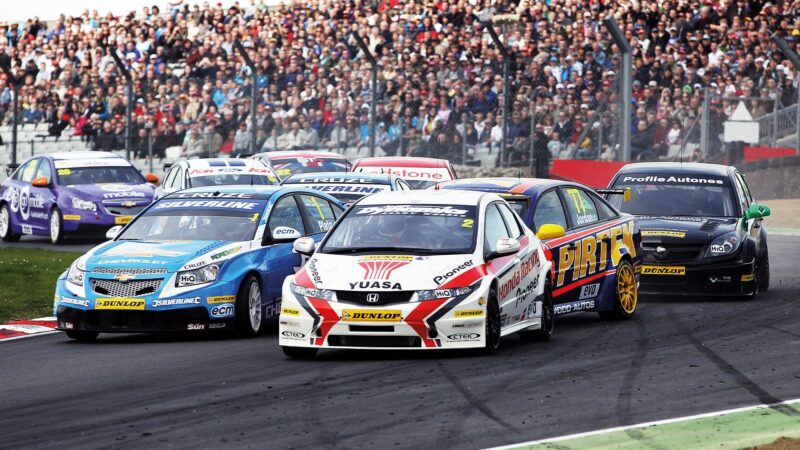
(762, 272)
(249, 312)
(6, 235)
(56, 227)
(492, 327)
(627, 294)
(299, 352)
(82, 336)
(548, 319)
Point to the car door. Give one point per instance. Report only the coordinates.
(614, 229)
(19, 194)
(578, 254)
(319, 213)
(549, 209)
(281, 259)
(504, 267)
(746, 198)
(526, 260)
(42, 199)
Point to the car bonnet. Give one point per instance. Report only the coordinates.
(384, 272)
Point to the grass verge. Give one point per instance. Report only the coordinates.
(28, 281)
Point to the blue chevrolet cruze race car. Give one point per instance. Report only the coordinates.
(210, 258)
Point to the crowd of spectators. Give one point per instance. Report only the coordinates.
(440, 77)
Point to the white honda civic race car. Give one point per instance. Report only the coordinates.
(418, 270)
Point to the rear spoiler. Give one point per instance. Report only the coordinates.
(625, 193)
(513, 197)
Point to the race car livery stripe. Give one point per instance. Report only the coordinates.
(582, 233)
(521, 188)
(300, 299)
(415, 319)
(467, 278)
(494, 267)
(447, 308)
(329, 318)
(580, 283)
(301, 278)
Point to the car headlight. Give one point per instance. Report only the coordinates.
(724, 245)
(84, 204)
(323, 294)
(442, 293)
(202, 275)
(77, 272)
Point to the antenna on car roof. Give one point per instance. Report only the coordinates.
(519, 175)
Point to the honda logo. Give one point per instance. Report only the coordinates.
(373, 298)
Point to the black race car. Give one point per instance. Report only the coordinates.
(702, 231)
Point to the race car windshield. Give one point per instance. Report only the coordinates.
(196, 224)
(99, 175)
(287, 167)
(420, 229)
(232, 178)
(703, 199)
(420, 184)
(344, 192)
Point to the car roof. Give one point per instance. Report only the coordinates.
(301, 154)
(508, 185)
(403, 161)
(425, 197)
(204, 163)
(675, 167)
(82, 155)
(370, 178)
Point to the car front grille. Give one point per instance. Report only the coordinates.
(671, 253)
(130, 271)
(133, 288)
(384, 297)
(125, 210)
(375, 341)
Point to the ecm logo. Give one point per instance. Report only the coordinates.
(223, 310)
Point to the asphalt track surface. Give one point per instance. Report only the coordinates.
(676, 358)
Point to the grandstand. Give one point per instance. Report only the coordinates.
(440, 86)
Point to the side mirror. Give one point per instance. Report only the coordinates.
(304, 246)
(40, 182)
(755, 211)
(550, 231)
(113, 232)
(151, 178)
(505, 246)
(284, 234)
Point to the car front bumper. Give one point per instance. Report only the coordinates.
(207, 308)
(450, 323)
(730, 278)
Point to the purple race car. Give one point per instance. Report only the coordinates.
(69, 193)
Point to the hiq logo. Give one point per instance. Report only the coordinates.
(223, 310)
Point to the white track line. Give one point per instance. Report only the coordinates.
(645, 424)
(44, 333)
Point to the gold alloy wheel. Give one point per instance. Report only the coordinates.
(627, 292)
